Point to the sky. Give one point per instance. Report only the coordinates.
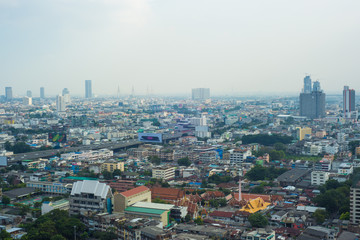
(167, 47)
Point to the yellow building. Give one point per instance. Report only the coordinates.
(302, 132)
(110, 166)
(255, 205)
(127, 198)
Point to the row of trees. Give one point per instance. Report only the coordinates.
(263, 173)
(265, 139)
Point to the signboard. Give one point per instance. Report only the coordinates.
(57, 137)
(3, 161)
(150, 137)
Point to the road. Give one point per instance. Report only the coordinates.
(111, 146)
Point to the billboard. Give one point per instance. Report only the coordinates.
(57, 137)
(150, 137)
(3, 161)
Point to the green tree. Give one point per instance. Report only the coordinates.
(184, 162)
(155, 160)
(57, 237)
(280, 146)
(107, 175)
(5, 200)
(199, 221)
(258, 189)
(4, 235)
(353, 145)
(257, 220)
(188, 218)
(276, 155)
(345, 216)
(116, 172)
(320, 216)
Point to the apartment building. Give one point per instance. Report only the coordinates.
(319, 177)
(163, 172)
(112, 165)
(238, 156)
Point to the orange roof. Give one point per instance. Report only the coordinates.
(134, 191)
(249, 196)
(167, 193)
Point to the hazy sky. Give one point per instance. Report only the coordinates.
(171, 46)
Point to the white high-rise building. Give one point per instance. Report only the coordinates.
(60, 103)
(200, 93)
(27, 101)
(348, 101)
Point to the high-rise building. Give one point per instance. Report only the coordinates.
(29, 93)
(42, 92)
(200, 93)
(66, 95)
(27, 101)
(88, 89)
(312, 105)
(348, 101)
(8, 93)
(60, 104)
(307, 85)
(355, 202)
(316, 87)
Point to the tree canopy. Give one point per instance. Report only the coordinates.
(266, 139)
(257, 220)
(262, 173)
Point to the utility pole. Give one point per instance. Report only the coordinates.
(74, 232)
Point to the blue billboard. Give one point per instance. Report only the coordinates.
(150, 137)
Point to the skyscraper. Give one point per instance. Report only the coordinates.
(348, 101)
(307, 85)
(200, 93)
(312, 105)
(42, 92)
(66, 95)
(88, 90)
(60, 104)
(28, 93)
(8, 93)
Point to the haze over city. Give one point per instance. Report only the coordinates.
(169, 47)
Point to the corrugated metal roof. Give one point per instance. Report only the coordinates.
(144, 210)
(90, 186)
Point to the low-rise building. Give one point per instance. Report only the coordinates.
(50, 187)
(90, 196)
(112, 165)
(259, 234)
(127, 198)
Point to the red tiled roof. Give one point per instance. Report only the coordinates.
(134, 191)
(249, 196)
(167, 193)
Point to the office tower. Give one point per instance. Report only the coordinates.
(312, 105)
(42, 92)
(29, 93)
(8, 93)
(307, 85)
(60, 104)
(316, 86)
(66, 95)
(88, 90)
(65, 91)
(200, 93)
(27, 101)
(348, 101)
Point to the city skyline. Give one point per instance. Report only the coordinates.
(228, 47)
